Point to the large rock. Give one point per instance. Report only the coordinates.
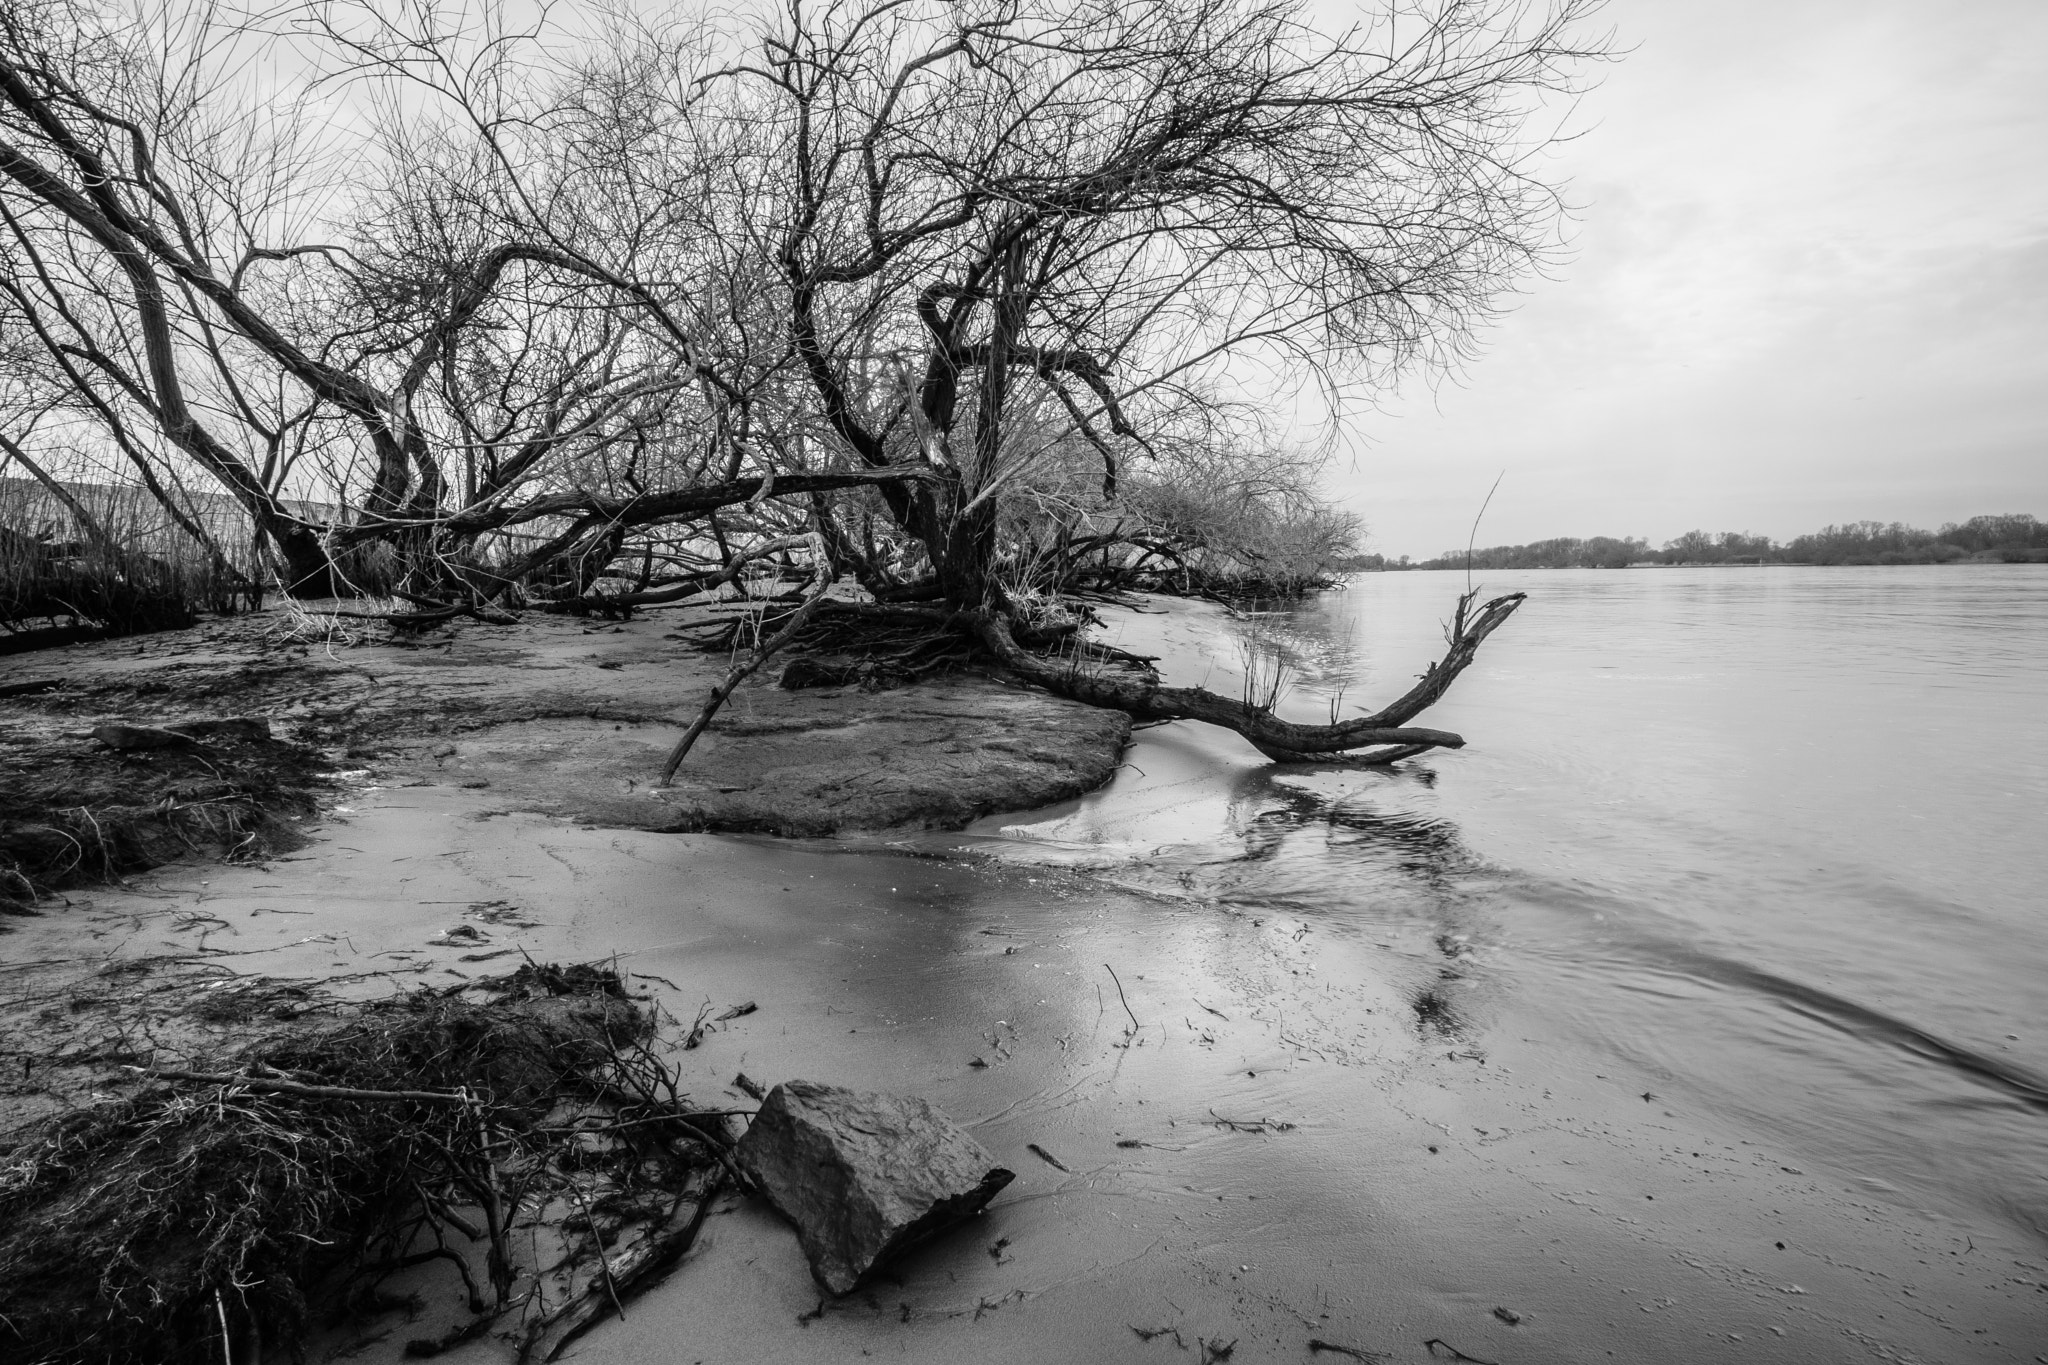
(863, 1176)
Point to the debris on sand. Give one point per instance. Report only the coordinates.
(1047, 1157)
(119, 735)
(234, 1199)
(863, 1176)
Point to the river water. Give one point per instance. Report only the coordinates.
(1774, 841)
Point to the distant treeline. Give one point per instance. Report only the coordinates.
(2015, 539)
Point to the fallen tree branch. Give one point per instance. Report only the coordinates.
(675, 505)
(821, 581)
(1145, 698)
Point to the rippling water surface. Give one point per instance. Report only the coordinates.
(1777, 836)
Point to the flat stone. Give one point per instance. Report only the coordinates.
(863, 1176)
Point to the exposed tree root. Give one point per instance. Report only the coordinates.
(220, 1208)
(873, 646)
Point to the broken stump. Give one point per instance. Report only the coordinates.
(863, 1176)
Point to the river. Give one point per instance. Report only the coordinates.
(1769, 842)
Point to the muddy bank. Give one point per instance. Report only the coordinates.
(550, 715)
(74, 811)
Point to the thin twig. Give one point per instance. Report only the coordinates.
(1473, 539)
(604, 1265)
(1135, 1025)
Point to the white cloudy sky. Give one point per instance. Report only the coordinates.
(1809, 284)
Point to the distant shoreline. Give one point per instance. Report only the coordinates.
(2008, 538)
(1434, 567)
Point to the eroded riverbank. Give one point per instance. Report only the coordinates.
(552, 713)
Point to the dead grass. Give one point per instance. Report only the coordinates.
(60, 582)
(74, 812)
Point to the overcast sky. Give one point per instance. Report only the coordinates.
(1809, 284)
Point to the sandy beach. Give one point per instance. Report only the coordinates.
(1285, 1157)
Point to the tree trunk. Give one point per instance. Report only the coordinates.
(307, 569)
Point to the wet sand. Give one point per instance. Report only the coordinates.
(1318, 1164)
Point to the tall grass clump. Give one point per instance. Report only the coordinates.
(124, 571)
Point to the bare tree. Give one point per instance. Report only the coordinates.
(437, 356)
(896, 256)
(988, 212)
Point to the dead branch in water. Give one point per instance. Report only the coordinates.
(882, 644)
(1135, 1025)
(1096, 677)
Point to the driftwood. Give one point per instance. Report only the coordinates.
(1095, 677)
(620, 1277)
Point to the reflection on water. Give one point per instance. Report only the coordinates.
(1421, 846)
(1775, 835)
